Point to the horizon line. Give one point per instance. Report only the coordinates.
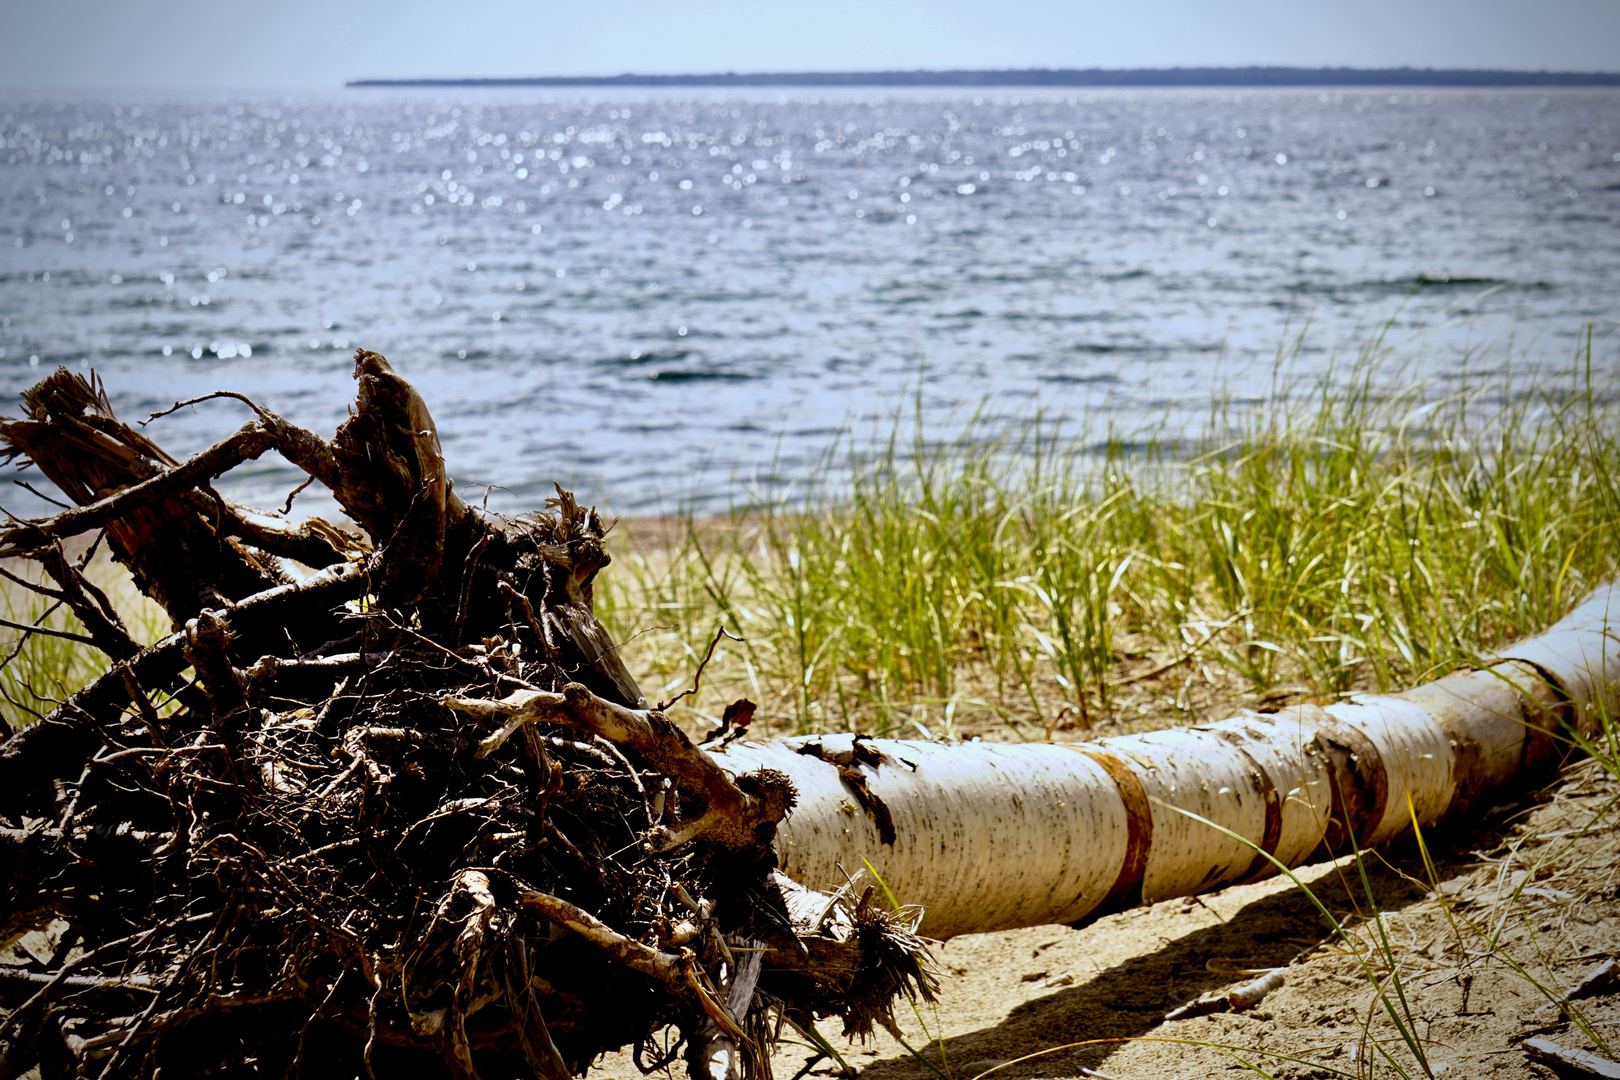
(1254, 75)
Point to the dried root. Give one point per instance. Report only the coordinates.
(379, 804)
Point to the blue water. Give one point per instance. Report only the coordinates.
(666, 297)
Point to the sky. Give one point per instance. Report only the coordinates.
(313, 44)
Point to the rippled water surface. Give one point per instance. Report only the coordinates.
(660, 295)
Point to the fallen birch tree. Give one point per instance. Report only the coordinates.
(993, 836)
(410, 811)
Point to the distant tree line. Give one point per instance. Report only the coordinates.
(1093, 77)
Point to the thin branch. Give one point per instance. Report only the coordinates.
(719, 632)
(177, 406)
(14, 703)
(94, 610)
(1190, 652)
(32, 586)
(65, 635)
(731, 817)
(41, 495)
(536, 625)
(245, 444)
(286, 507)
(632, 954)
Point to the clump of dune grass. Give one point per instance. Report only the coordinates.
(1341, 537)
(42, 666)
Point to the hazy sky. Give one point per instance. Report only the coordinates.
(321, 43)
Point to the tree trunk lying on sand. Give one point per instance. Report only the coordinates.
(990, 837)
(994, 836)
(412, 813)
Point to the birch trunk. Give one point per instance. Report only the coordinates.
(993, 836)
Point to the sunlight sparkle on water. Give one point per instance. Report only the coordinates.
(463, 210)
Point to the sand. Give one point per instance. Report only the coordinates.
(1540, 875)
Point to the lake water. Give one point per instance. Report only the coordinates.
(664, 297)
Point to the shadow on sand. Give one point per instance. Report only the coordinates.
(1128, 1000)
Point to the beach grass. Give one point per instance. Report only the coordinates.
(42, 668)
(1351, 534)
(1345, 534)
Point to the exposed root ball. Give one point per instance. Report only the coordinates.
(407, 814)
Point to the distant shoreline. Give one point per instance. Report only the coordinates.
(1238, 77)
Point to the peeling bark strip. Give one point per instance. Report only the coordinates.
(1127, 888)
(849, 771)
(988, 837)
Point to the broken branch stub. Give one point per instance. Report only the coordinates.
(739, 814)
(330, 867)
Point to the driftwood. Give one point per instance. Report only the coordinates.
(385, 802)
(1569, 1061)
(991, 836)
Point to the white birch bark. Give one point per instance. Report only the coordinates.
(992, 836)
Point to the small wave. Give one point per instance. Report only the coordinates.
(1054, 317)
(1344, 291)
(1449, 281)
(641, 359)
(1105, 378)
(1168, 447)
(701, 376)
